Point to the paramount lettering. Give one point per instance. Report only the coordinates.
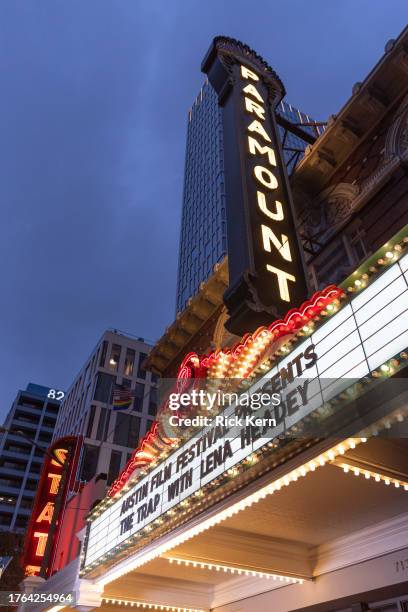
(267, 182)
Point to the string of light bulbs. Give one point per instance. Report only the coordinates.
(310, 466)
(370, 474)
(148, 606)
(240, 571)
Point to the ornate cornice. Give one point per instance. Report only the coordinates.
(380, 93)
(230, 49)
(170, 348)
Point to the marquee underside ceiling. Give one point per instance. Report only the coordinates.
(286, 533)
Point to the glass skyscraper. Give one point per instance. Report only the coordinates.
(203, 239)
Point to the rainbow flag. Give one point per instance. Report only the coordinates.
(122, 397)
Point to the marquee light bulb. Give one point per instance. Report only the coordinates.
(131, 563)
(221, 567)
(150, 606)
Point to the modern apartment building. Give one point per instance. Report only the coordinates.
(203, 239)
(32, 417)
(110, 436)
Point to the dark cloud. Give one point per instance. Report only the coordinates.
(93, 110)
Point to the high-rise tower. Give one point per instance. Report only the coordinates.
(29, 428)
(110, 436)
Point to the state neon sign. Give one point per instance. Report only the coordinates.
(57, 478)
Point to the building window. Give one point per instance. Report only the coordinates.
(138, 397)
(21, 522)
(127, 430)
(103, 415)
(31, 485)
(104, 388)
(357, 244)
(30, 403)
(129, 362)
(333, 264)
(140, 372)
(153, 402)
(90, 422)
(107, 421)
(14, 483)
(103, 354)
(48, 422)
(15, 447)
(5, 520)
(13, 465)
(114, 357)
(25, 418)
(53, 408)
(26, 502)
(35, 469)
(114, 466)
(45, 437)
(89, 462)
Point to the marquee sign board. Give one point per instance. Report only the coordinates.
(356, 340)
(266, 269)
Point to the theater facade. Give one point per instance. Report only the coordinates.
(305, 505)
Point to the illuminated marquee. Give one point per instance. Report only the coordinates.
(265, 265)
(354, 343)
(49, 491)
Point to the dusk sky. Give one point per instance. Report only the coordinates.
(93, 110)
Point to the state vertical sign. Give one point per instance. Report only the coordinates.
(266, 269)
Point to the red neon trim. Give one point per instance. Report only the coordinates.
(193, 366)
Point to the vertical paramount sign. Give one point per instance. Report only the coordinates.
(264, 258)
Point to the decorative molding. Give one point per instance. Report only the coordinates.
(396, 142)
(370, 101)
(231, 546)
(231, 49)
(187, 324)
(323, 160)
(383, 538)
(223, 338)
(331, 208)
(88, 595)
(377, 180)
(242, 588)
(401, 59)
(346, 131)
